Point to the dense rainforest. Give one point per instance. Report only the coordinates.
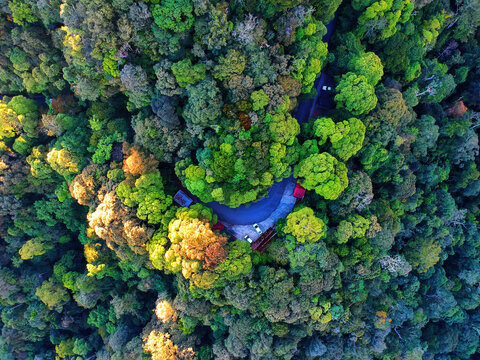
(109, 107)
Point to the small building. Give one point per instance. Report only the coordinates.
(262, 243)
(218, 226)
(299, 191)
(182, 199)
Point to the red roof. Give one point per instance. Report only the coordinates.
(218, 226)
(264, 241)
(299, 191)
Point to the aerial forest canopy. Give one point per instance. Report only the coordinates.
(108, 108)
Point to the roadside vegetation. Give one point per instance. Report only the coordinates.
(109, 107)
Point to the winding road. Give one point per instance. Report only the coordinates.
(258, 211)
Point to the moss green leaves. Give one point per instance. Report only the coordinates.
(355, 94)
(22, 12)
(233, 63)
(422, 254)
(348, 138)
(259, 100)
(26, 110)
(305, 226)
(175, 15)
(324, 174)
(345, 136)
(283, 128)
(369, 65)
(185, 73)
(148, 195)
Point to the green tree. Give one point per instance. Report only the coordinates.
(53, 294)
(304, 225)
(204, 103)
(259, 100)
(348, 138)
(324, 174)
(237, 263)
(310, 53)
(422, 253)
(380, 20)
(22, 12)
(355, 94)
(175, 15)
(111, 63)
(369, 65)
(64, 162)
(185, 73)
(148, 194)
(27, 112)
(233, 63)
(323, 128)
(35, 247)
(283, 128)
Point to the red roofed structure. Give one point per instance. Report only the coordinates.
(299, 191)
(264, 240)
(218, 226)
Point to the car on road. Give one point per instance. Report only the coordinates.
(248, 238)
(257, 228)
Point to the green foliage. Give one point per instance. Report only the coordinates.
(103, 149)
(323, 128)
(35, 247)
(175, 15)
(52, 294)
(27, 113)
(259, 100)
(283, 128)
(110, 64)
(381, 19)
(185, 73)
(369, 65)
(204, 105)
(64, 162)
(96, 261)
(310, 52)
(355, 94)
(346, 136)
(238, 261)
(233, 63)
(22, 145)
(422, 254)
(304, 226)
(147, 195)
(22, 12)
(324, 174)
(39, 168)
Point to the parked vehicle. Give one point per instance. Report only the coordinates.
(248, 238)
(257, 228)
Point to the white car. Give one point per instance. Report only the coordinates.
(246, 237)
(257, 228)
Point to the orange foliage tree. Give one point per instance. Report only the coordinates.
(197, 240)
(136, 162)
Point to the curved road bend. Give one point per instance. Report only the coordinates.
(257, 211)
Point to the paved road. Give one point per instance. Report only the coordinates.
(258, 211)
(253, 212)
